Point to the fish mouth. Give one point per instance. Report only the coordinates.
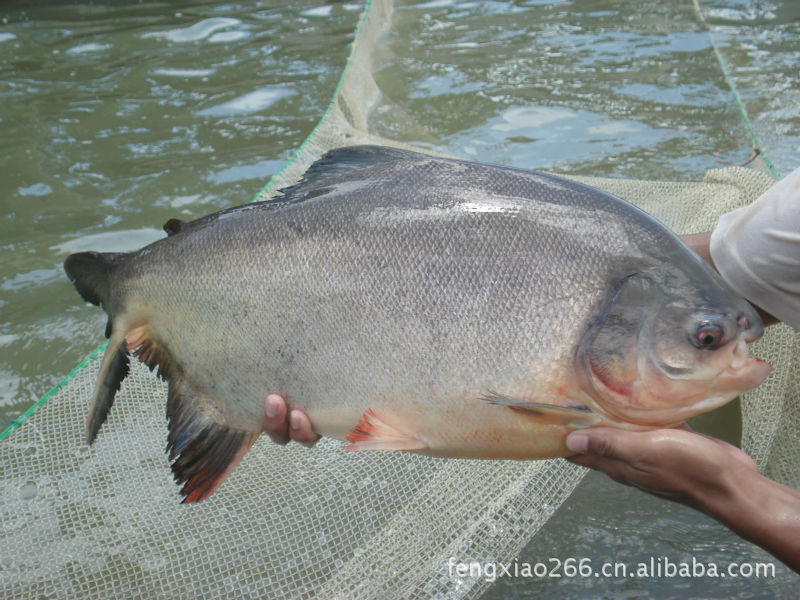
(751, 374)
(744, 372)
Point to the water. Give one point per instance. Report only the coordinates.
(115, 117)
(594, 87)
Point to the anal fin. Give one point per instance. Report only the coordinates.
(577, 417)
(373, 433)
(203, 451)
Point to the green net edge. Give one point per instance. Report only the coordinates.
(16, 423)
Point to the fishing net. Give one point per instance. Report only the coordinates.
(292, 522)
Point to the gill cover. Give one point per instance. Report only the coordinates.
(609, 356)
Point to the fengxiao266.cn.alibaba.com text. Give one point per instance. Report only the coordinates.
(651, 568)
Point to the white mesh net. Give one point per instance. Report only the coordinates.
(293, 522)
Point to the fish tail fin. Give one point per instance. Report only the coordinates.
(90, 273)
(203, 451)
(203, 448)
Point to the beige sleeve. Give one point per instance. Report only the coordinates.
(756, 248)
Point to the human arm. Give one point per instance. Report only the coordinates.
(701, 472)
(700, 243)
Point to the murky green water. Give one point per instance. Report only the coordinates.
(595, 87)
(116, 116)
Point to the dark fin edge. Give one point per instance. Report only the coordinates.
(343, 160)
(203, 451)
(115, 367)
(90, 273)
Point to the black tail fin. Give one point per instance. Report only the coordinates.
(90, 272)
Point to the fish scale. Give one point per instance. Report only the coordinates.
(407, 302)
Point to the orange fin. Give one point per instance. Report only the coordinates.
(372, 433)
(204, 451)
(578, 416)
(147, 350)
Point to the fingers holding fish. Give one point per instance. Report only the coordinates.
(274, 420)
(297, 427)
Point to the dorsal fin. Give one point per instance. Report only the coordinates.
(343, 160)
(174, 226)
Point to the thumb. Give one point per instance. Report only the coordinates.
(599, 441)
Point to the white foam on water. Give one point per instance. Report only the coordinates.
(88, 48)
(249, 103)
(125, 240)
(198, 31)
(227, 36)
(169, 72)
(37, 189)
(532, 116)
(319, 11)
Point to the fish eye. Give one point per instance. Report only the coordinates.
(708, 336)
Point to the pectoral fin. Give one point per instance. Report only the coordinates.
(373, 433)
(577, 417)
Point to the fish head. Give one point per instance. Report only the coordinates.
(667, 347)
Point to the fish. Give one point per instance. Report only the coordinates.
(413, 303)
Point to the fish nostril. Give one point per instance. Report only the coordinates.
(743, 322)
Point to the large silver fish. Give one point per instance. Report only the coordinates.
(415, 303)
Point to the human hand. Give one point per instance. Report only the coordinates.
(676, 464)
(282, 425)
